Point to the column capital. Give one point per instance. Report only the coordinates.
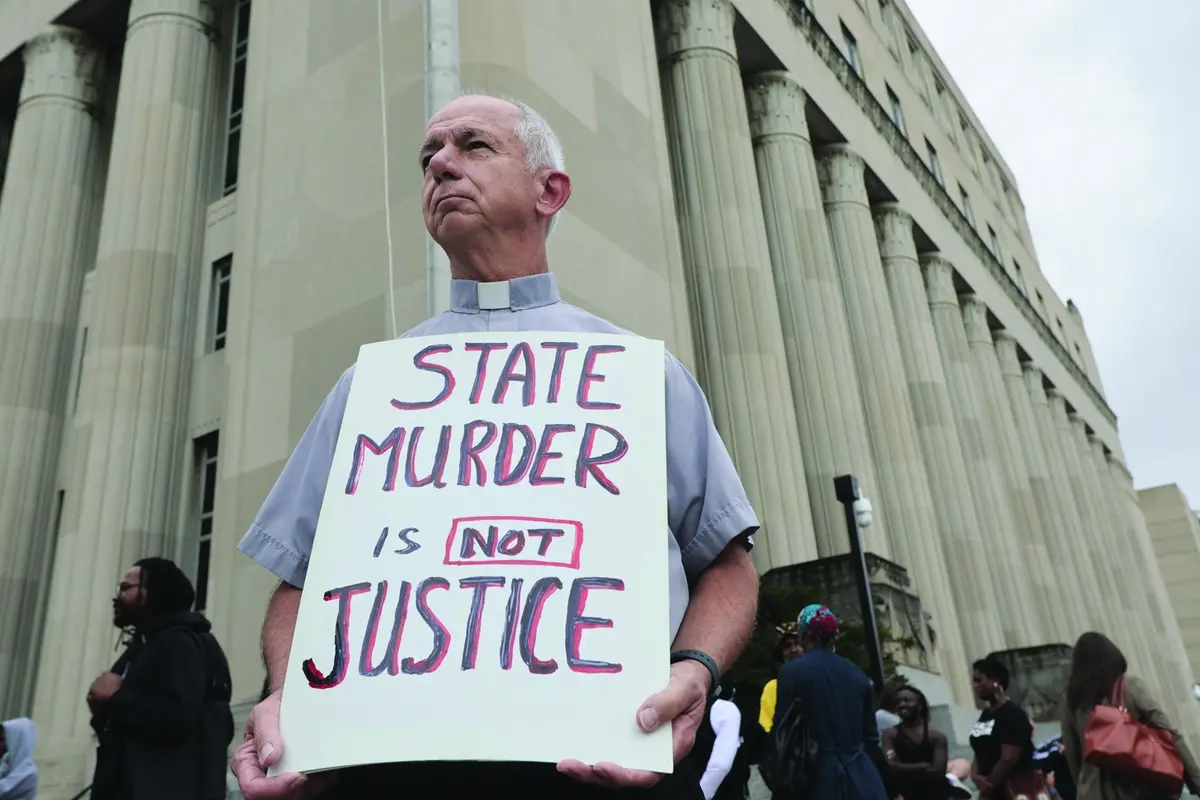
(199, 14)
(1119, 466)
(63, 63)
(939, 279)
(1006, 352)
(842, 173)
(682, 25)
(775, 104)
(1079, 424)
(1035, 383)
(893, 229)
(975, 319)
(1058, 406)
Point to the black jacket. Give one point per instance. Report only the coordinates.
(166, 731)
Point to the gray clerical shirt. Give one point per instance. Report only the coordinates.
(706, 504)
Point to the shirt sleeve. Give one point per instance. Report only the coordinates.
(726, 721)
(766, 706)
(707, 507)
(281, 536)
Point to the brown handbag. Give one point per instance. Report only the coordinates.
(1117, 743)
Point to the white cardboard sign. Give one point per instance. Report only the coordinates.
(489, 575)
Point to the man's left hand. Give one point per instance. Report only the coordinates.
(681, 705)
(104, 687)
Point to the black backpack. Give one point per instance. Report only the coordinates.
(788, 756)
(216, 716)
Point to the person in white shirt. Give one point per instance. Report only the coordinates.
(726, 722)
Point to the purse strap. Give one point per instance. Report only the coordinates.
(1118, 694)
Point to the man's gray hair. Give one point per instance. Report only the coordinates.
(542, 147)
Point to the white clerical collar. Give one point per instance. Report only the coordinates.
(518, 294)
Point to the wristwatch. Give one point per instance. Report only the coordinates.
(707, 661)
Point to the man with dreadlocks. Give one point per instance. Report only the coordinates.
(161, 714)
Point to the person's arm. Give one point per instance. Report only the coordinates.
(918, 769)
(766, 705)
(726, 721)
(1139, 700)
(720, 614)
(279, 626)
(1013, 729)
(19, 782)
(171, 710)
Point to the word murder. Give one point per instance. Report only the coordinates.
(519, 637)
(516, 453)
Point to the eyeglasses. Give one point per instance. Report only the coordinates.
(124, 587)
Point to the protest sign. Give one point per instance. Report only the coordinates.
(488, 579)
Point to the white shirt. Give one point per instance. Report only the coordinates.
(726, 723)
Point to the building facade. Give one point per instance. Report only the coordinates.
(795, 196)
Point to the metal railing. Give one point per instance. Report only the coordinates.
(831, 54)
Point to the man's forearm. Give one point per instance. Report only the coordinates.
(720, 614)
(278, 627)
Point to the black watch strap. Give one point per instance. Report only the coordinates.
(709, 663)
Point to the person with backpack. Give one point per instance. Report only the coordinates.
(161, 714)
(824, 740)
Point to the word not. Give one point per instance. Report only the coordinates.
(529, 541)
(521, 627)
(520, 456)
(520, 367)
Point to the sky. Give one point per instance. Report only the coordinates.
(1095, 106)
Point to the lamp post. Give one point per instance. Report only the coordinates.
(858, 514)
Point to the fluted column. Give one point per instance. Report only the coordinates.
(146, 279)
(724, 242)
(1112, 617)
(1081, 564)
(958, 536)
(47, 236)
(1133, 578)
(816, 336)
(1005, 558)
(1017, 494)
(1066, 591)
(1170, 640)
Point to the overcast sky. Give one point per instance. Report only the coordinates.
(1095, 105)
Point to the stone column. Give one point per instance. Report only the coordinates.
(47, 234)
(1179, 677)
(147, 273)
(816, 336)
(958, 531)
(1111, 616)
(1080, 563)
(1005, 559)
(743, 365)
(1066, 592)
(1017, 492)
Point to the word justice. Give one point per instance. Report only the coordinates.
(522, 621)
(515, 452)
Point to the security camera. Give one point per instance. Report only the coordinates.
(862, 512)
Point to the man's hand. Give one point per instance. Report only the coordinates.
(681, 704)
(104, 687)
(261, 749)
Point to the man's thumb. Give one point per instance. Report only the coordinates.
(662, 708)
(266, 740)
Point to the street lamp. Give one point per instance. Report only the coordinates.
(858, 515)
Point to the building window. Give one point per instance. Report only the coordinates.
(206, 494)
(1041, 303)
(852, 55)
(1078, 353)
(237, 93)
(994, 242)
(935, 166)
(218, 303)
(1062, 332)
(79, 371)
(1019, 276)
(897, 113)
(966, 205)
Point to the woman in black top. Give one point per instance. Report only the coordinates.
(916, 752)
(1003, 737)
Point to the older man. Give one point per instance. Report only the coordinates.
(493, 181)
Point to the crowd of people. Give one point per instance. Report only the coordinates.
(493, 180)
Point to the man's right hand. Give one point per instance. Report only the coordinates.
(261, 749)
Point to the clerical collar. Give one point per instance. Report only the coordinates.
(530, 291)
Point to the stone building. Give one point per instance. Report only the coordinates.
(795, 196)
(1175, 534)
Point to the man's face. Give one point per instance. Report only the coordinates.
(129, 603)
(475, 178)
(792, 649)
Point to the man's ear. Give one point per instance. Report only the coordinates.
(555, 191)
